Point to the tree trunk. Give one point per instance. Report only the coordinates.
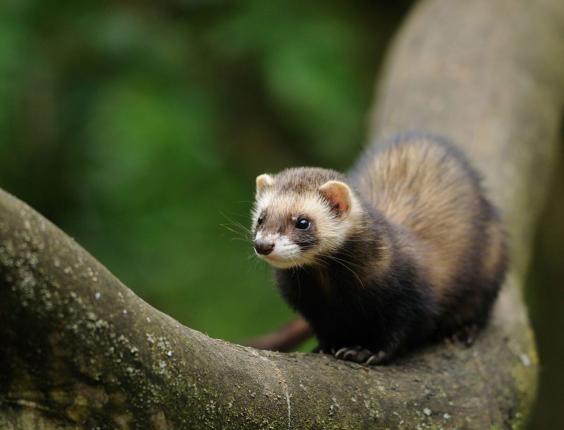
(80, 350)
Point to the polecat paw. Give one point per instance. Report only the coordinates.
(360, 355)
(466, 335)
(377, 358)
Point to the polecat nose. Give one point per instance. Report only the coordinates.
(263, 247)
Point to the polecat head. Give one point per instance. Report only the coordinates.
(302, 214)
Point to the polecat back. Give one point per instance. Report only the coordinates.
(428, 187)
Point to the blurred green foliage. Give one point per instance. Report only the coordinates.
(139, 127)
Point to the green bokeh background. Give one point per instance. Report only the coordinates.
(139, 127)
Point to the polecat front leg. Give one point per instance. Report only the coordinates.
(362, 355)
(365, 356)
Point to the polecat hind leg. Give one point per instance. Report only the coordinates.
(466, 335)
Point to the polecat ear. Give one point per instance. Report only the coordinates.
(339, 195)
(264, 181)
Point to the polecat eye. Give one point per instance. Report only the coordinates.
(302, 223)
(260, 219)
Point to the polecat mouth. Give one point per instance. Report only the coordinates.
(278, 261)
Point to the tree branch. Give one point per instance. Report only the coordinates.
(79, 349)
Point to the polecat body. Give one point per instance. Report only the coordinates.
(404, 249)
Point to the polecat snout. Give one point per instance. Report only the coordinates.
(404, 249)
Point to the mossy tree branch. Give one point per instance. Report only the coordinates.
(78, 349)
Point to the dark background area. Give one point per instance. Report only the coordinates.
(139, 127)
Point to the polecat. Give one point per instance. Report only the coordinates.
(404, 249)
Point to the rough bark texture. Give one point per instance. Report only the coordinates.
(80, 350)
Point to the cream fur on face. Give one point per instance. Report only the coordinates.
(285, 254)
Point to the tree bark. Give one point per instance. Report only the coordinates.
(80, 350)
